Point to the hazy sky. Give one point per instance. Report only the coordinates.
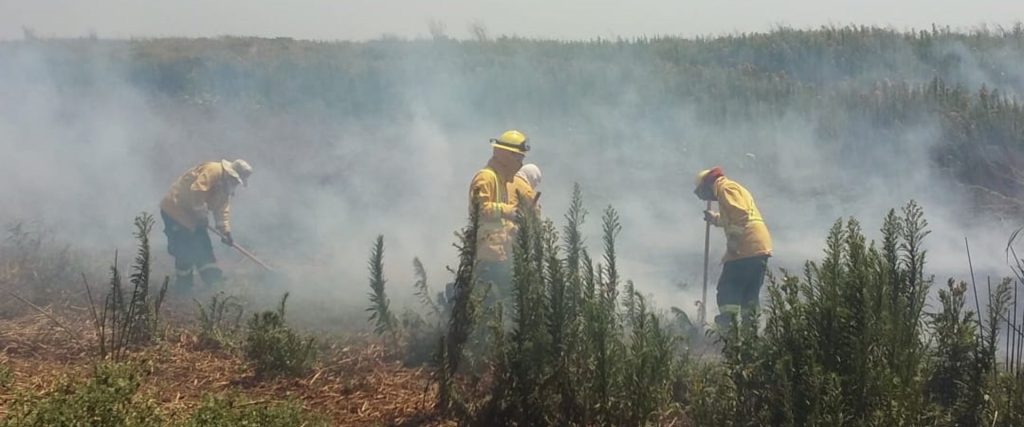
(575, 19)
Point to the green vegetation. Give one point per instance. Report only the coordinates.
(577, 347)
(130, 320)
(851, 341)
(421, 331)
(216, 329)
(6, 376)
(380, 308)
(464, 311)
(231, 411)
(273, 348)
(109, 398)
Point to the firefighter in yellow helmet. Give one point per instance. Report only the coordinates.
(748, 244)
(499, 192)
(204, 189)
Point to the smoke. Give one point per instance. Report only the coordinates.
(567, 19)
(89, 143)
(81, 160)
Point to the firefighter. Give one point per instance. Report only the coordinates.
(748, 244)
(204, 189)
(499, 192)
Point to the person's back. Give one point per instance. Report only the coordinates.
(195, 192)
(746, 233)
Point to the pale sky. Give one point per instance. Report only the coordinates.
(562, 19)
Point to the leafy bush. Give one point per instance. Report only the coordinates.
(273, 349)
(108, 398)
(218, 411)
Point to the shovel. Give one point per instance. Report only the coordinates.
(243, 251)
(702, 316)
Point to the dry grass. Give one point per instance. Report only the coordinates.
(355, 383)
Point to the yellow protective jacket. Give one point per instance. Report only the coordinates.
(745, 232)
(498, 191)
(207, 187)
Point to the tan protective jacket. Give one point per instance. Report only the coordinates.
(745, 232)
(207, 187)
(498, 191)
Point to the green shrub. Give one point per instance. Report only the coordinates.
(414, 334)
(577, 349)
(274, 349)
(852, 343)
(128, 320)
(108, 398)
(216, 328)
(961, 368)
(217, 411)
(708, 394)
(420, 332)
(380, 306)
(6, 376)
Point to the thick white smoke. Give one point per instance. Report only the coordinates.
(85, 149)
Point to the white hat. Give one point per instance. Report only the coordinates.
(238, 169)
(531, 173)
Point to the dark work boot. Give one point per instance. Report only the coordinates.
(183, 280)
(211, 274)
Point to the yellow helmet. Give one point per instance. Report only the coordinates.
(512, 140)
(700, 177)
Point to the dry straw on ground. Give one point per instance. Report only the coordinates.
(354, 384)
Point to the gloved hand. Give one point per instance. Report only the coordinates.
(711, 216)
(509, 214)
(227, 240)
